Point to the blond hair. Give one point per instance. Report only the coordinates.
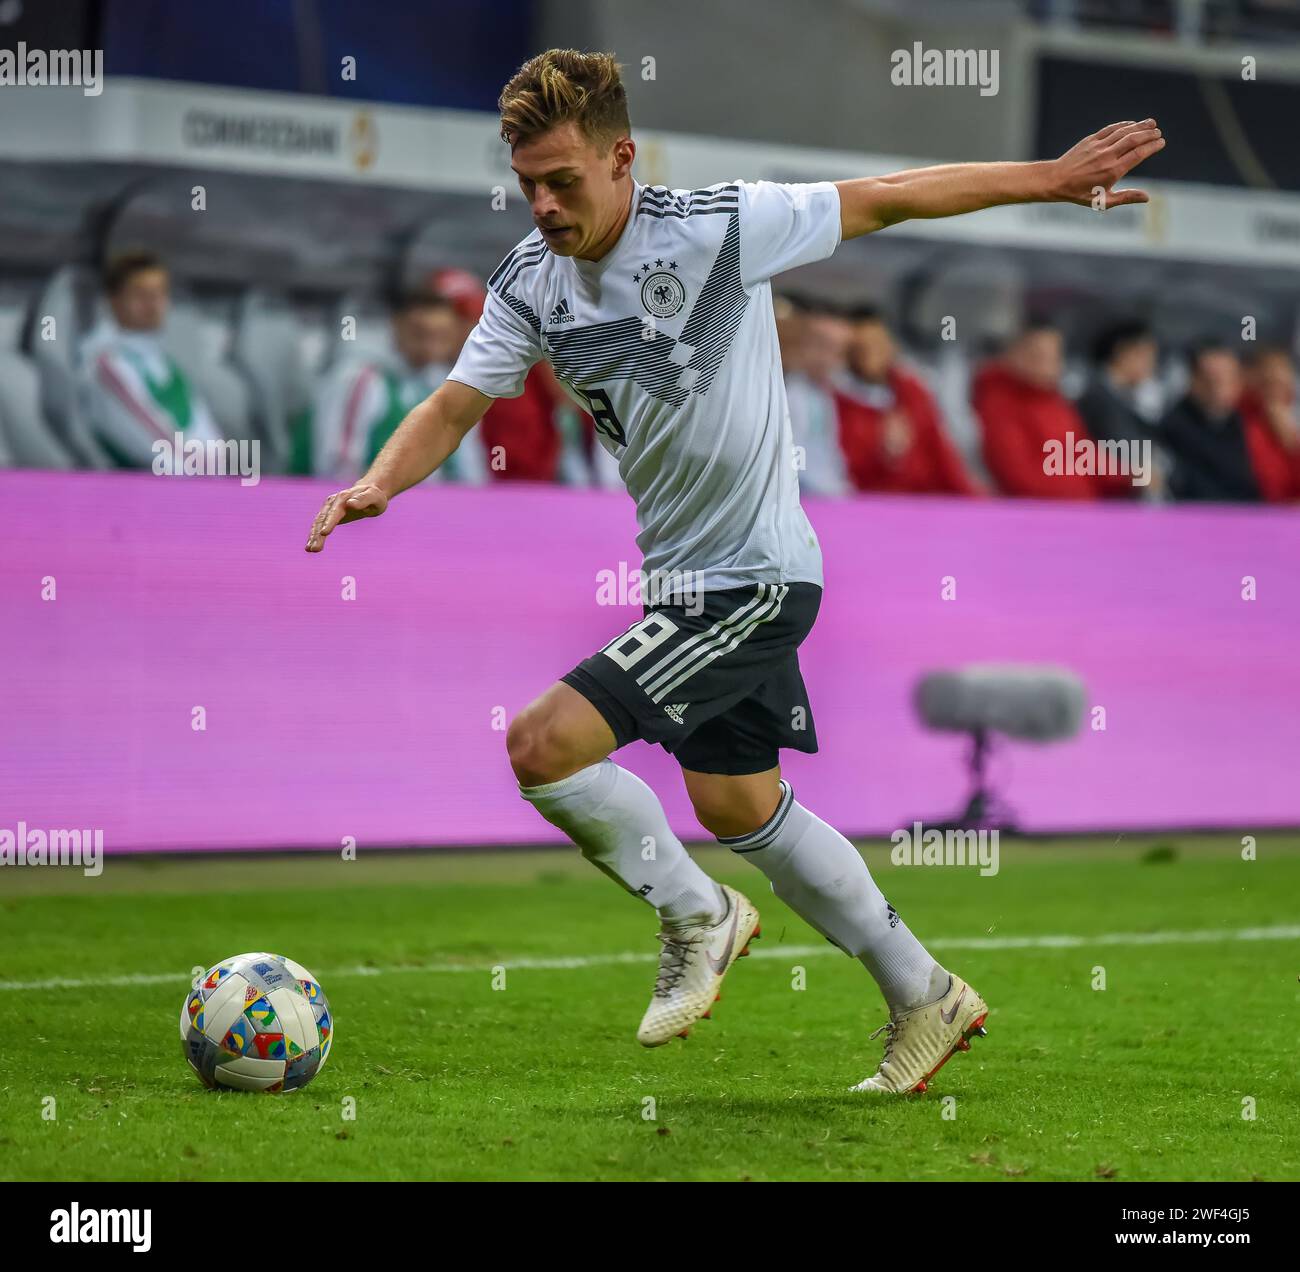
(562, 85)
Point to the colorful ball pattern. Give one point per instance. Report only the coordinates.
(256, 1022)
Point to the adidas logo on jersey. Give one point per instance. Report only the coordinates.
(560, 313)
(675, 713)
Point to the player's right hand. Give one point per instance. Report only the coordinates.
(342, 506)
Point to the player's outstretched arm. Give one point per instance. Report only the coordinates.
(420, 444)
(1097, 162)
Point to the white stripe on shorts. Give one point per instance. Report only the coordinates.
(673, 656)
(703, 656)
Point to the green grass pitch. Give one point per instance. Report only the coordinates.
(452, 1075)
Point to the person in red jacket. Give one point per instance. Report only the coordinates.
(1026, 420)
(519, 434)
(890, 430)
(1268, 408)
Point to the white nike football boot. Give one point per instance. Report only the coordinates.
(692, 963)
(919, 1042)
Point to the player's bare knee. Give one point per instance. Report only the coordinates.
(526, 749)
(536, 748)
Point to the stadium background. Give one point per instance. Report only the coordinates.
(325, 194)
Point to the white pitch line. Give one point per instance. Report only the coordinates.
(1205, 937)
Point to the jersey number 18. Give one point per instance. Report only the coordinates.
(602, 411)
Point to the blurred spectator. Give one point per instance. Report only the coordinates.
(814, 343)
(1268, 408)
(520, 433)
(1121, 402)
(1021, 409)
(463, 289)
(1205, 435)
(360, 406)
(583, 461)
(133, 392)
(537, 436)
(890, 429)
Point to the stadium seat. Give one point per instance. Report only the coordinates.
(28, 443)
(8, 339)
(313, 347)
(11, 318)
(1193, 309)
(372, 334)
(947, 371)
(267, 350)
(56, 363)
(984, 293)
(196, 342)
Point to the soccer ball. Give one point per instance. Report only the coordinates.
(256, 1022)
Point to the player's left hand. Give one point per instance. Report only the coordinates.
(1095, 164)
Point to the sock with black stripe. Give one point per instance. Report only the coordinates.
(620, 825)
(823, 879)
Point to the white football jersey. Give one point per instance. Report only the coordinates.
(669, 341)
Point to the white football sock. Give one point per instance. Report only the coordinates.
(619, 824)
(823, 879)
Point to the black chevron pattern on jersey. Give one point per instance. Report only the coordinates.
(522, 310)
(660, 202)
(528, 255)
(619, 350)
(716, 315)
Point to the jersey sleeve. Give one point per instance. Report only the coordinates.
(499, 351)
(784, 225)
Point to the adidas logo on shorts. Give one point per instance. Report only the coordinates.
(675, 713)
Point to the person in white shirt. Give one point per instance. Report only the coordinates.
(819, 339)
(133, 391)
(654, 307)
(358, 407)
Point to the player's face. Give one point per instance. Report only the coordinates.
(141, 303)
(576, 194)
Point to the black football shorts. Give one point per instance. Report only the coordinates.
(715, 680)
